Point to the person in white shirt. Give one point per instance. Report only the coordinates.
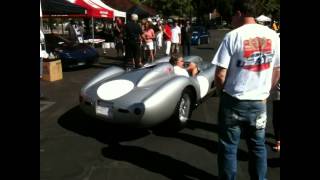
(248, 65)
(178, 66)
(176, 38)
(159, 35)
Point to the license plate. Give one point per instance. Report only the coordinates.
(103, 109)
(81, 63)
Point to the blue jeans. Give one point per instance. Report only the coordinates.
(236, 117)
(41, 67)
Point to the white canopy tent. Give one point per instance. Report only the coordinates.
(263, 18)
(116, 13)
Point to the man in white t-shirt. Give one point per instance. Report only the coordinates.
(176, 38)
(248, 65)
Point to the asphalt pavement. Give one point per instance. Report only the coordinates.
(73, 147)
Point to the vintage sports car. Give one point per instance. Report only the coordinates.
(147, 96)
(71, 55)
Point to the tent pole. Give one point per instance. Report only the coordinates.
(92, 31)
(62, 22)
(41, 26)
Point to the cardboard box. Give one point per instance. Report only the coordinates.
(52, 70)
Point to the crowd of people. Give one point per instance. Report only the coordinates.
(143, 39)
(137, 40)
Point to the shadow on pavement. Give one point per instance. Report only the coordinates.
(156, 162)
(120, 58)
(102, 65)
(205, 48)
(76, 68)
(75, 120)
(274, 162)
(211, 146)
(192, 124)
(269, 135)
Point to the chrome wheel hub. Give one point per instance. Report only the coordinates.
(184, 109)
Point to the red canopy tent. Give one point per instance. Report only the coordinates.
(93, 8)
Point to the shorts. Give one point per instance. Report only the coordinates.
(149, 46)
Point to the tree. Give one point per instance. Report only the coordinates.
(201, 8)
(182, 8)
(224, 7)
(136, 1)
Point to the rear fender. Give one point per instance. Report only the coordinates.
(161, 104)
(104, 75)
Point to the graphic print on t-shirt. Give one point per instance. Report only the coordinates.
(257, 54)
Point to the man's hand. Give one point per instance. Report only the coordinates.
(220, 77)
(275, 76)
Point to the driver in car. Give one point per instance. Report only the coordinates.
(178, 66)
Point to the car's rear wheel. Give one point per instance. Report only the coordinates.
(182, 112)
(180, 116)
(183, 108)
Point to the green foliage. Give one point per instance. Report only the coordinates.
(200, 8)
(182, 8)
(136, 1)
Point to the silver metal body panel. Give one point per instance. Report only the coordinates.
(154, 96)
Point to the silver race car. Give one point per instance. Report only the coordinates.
(147, 96)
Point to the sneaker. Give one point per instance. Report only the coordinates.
(276, 147)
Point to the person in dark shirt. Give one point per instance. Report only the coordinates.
(118, 36)
(186, 38)
(72, 35)
(133, 33)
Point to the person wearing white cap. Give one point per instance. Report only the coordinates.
(134, 17)
(133, 33)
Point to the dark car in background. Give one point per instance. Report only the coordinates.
(200, 35)
(71, 54)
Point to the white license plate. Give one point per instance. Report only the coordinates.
(81, 63)
(105, 111)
